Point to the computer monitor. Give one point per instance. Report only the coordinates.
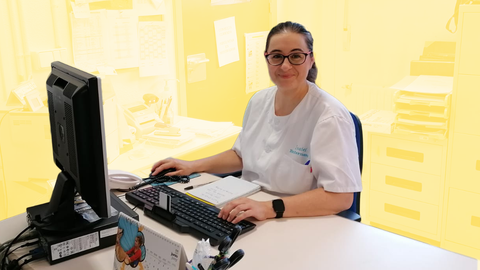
(75, 108)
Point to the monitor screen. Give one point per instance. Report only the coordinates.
(76, 121)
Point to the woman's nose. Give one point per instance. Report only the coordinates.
(286, 64)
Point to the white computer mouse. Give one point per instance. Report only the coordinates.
(119, 179)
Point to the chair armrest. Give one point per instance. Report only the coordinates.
(350, 215)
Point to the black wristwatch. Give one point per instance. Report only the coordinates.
(278, 207)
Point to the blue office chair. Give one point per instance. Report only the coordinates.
(353, 212)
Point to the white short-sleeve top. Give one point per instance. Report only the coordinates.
(313, 147)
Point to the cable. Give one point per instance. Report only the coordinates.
(14, 264)
(10, 245)
(133, 209)
(147, 181)
(161, 179)
(24, 245)
(25, 237)
(36, 254)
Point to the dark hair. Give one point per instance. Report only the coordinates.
(140, 239)
(299, 29)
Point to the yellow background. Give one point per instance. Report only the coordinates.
(361, 48)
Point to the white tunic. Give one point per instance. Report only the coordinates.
(319, 132)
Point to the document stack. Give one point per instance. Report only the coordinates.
(422, 105)
(158, 139)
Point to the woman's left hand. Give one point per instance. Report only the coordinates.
(243, 208)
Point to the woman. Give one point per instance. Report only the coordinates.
(297, 140)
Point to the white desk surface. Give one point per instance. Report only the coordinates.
(146, 155)
(329, 242)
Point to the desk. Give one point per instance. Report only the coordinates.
(134, 160)
(329, 242)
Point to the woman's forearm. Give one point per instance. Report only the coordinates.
(317, 202)
(224, 162)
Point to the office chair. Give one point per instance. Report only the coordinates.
(353, 212)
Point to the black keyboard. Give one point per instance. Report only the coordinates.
(188, 214)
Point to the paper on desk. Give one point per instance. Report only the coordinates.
(380, 121)
(425, 84)
(226, 38)
(203, 127)
(423, 99)
(184, 137)
(425, 123)
(140, 152)
(226, 189)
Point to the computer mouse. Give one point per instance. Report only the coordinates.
(162, 173)
(119, 179)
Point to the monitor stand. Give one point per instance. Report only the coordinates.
(62, 246)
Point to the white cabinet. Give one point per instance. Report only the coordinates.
(461, 232)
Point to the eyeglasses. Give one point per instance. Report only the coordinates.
(276, 59)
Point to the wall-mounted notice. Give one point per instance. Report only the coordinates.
(227, 2)
(149, 7)
(226, 37)
(123, 38)
(80, 9)
(153, 48)
(88, 40)
(257, 72)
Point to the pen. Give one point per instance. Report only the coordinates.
(195, 186)
(308, 162)
(169, 101)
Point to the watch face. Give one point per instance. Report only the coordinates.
(278, 206)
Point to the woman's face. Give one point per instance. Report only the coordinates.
(286, 75)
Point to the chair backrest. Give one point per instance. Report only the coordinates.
(359, 138)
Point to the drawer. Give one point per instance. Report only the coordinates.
(405, 183)
(463, 218)
(465, 172)
(469, 55)
(416, 156)
(466, 105)
(405, 212)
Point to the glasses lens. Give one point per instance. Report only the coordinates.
(275, 59)
(297, 58)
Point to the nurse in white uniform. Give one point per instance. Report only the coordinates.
(297, 140)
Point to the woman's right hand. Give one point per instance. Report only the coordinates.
(181, 167)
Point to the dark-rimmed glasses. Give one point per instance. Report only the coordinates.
(296, 58)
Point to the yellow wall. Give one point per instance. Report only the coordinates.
(361, 48)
